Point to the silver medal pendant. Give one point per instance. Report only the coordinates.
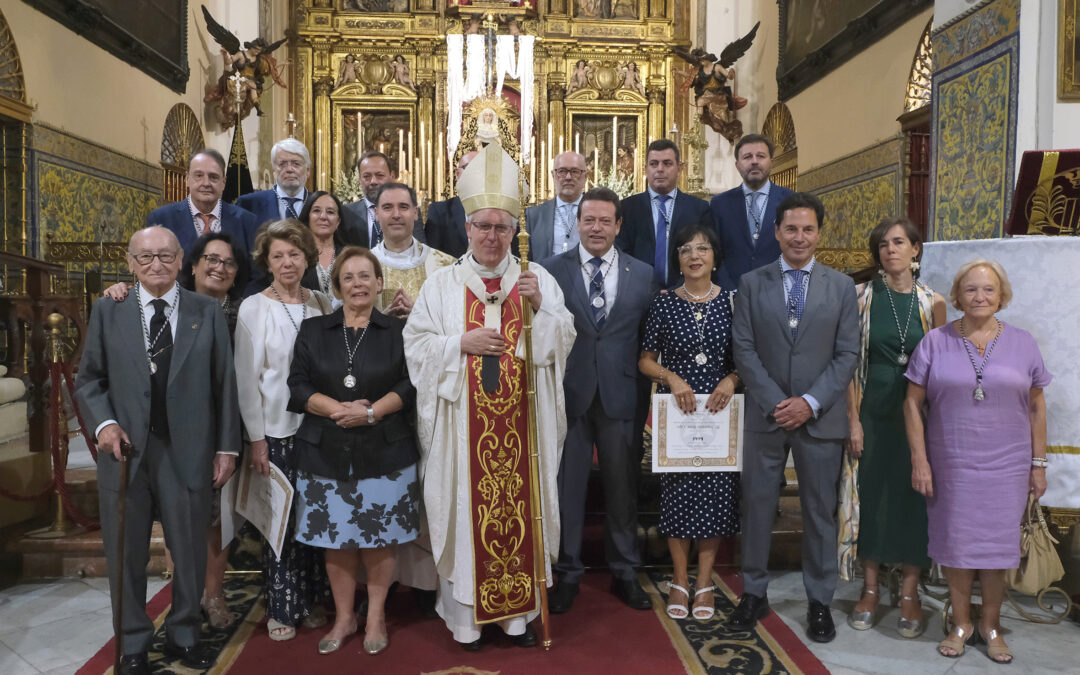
(350, 381)
(792, 322)
(598, 302)
(153, 367)
(756, 235)
(701, 359)
(979, 394)
(902, 359)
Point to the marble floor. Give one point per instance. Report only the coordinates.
(54, 627)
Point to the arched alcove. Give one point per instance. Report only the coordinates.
(780, 129)
(915, 125)
(180, 139)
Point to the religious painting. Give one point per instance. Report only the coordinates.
(1069, 49)
(606, 9)
(610, 146)
(385, 131)
(376, 5)
(816, 36)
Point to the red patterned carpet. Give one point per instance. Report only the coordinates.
(600, 634)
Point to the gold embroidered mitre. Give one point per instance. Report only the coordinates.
(490, 182)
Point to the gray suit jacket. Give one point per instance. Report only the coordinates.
(820, 362)
(604, 358)
(114, 383)
(540, 224)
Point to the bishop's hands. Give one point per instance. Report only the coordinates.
(529, 287)
(483, 342)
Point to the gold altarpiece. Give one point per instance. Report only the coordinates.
(605, 82)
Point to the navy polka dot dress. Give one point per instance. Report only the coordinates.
(694, 505)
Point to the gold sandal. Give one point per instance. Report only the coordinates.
(998, 653)
(956, 641)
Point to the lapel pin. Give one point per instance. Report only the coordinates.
(194, 326)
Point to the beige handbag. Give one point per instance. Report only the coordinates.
(1040, 565)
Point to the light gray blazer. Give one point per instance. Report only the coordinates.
(820, 362)
(540, 224)
(114, 383)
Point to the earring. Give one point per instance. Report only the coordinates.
(914, 266)
(881, 272)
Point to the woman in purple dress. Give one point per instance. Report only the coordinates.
(982, 448)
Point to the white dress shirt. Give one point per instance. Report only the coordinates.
(756, 206)
(564, 235)
(610, 270)
(789, 282)
(282, 197)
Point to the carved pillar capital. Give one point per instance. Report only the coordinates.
(323, 85)
(556, 91)
(656, 94)
(426, 90)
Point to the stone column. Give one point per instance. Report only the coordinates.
(321, 142)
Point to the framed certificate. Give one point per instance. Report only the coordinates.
(700, 441)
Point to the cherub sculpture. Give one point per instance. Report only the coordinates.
(713, 94)
(400, 67)
(348, 71)
(579, 79)
(250, 66)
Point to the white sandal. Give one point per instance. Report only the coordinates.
(273, 625)
(703, 613)
(672, 607)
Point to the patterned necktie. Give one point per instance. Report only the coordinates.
(376, 229)
(570, 232)
(796, 300)
(756, 214)
(160, 356)
(596, 292)
(660, 255)
(290, 210)
(207, 220)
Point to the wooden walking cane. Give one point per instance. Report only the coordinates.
(540, 572)
(118, 616)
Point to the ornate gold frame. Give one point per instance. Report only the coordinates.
(1068, 53)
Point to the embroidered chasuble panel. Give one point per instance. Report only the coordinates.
(409, 280)
(499, 481)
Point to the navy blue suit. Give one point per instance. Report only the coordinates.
(235, 222)
(638, 234)
(265, 205)
(603, 406)
(445, 227)
(741, 254)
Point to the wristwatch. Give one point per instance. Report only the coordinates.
(371, 414)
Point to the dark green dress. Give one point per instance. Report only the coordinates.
(892, 522)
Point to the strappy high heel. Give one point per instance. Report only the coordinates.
(864, 620)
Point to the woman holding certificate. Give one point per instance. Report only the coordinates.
(356, 489)
(266, 330)
(688, 331)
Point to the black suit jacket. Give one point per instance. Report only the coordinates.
(319, 366)
(638, 234)
(354, 218)
(445, 227)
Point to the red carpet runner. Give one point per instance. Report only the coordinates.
(598, 636)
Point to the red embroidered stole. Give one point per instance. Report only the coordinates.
(499, 485)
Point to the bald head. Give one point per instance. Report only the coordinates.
(154, 256)
(464, 162)
(569, 173)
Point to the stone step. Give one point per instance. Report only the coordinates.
(78, 554)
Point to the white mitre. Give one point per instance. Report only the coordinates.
(491, 181)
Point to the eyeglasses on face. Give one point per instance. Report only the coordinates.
(500, 229)
(144, 258)
(214, 261)
(686, 249)
(569, 173)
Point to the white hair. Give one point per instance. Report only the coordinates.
(290, 145)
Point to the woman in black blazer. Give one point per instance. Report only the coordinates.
(357, 488)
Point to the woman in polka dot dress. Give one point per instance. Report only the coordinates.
(689, 331)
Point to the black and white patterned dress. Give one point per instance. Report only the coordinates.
(694, 505)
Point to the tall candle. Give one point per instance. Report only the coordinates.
(637, 170)
(614, 139)
(577, 142)
(561, 147)
(532, 169)
(551, 146)
(543, 168)
(401, 149)
(412, 153)
(318, 154)
(359, 134)
(419, 185)
(596, 165)
(439, 167)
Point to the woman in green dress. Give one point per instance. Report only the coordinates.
(883, 519)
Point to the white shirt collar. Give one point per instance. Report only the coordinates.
(809, 267)
(408, 255)
(559, 203)
(302, 195)
(488, 272)
(171, 297)
(215, 212)
(608, 257)
(764, 189)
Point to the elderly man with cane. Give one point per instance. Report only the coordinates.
(157, 373)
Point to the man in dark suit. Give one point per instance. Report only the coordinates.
(445, 227)
(608, 292)
(292, 164)
(152, 364)
(744, 216)
(796, 345)
(651, 218)
(359, 217)
(553, 225)
(203, 210)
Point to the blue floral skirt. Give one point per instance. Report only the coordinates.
(360, 513)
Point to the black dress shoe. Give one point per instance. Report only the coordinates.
(821, 628)
(751, 609)
(135, 664)
(191, 657)
(631, 593)
(562, 598)
(425, 600)
(474, 646)
(526, 639)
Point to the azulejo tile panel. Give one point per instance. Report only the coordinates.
(852, 211)
(974, 31)
(78, 206)
(974, 132)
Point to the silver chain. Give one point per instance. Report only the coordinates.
(981, 367)
(350, 352)
(907, 326)
(303, 306)
(142, 320)
(700, 317)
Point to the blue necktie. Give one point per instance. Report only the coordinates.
(796, 299)
(376, 229)
(290, 211)
(596, 290)
(660, 256)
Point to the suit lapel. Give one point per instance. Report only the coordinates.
(572, 267)
(774, 298)
(188, 325)
(131, 332)
(814, 292)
